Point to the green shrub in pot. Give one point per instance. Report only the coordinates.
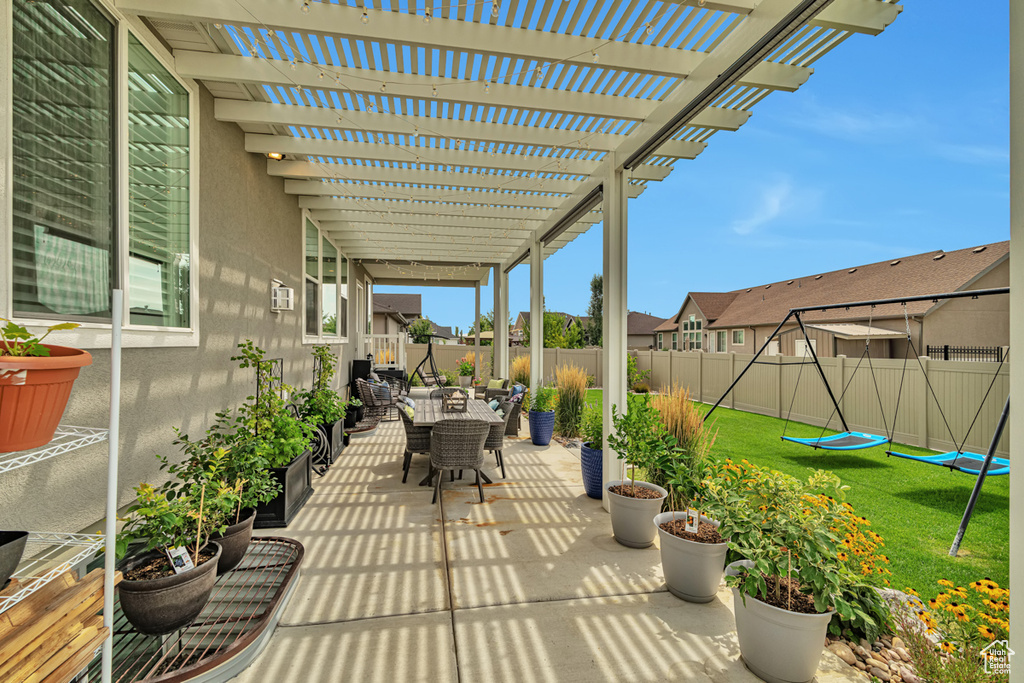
(321, 405)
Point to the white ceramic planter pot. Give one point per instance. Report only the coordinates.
(465, 381)
(693, 571)
(631, 517)
(777, 645)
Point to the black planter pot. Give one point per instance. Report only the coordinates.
(234, 542)
(335, 438)
(351, 417)
(296, 480)
(159, 606)
(12, 547)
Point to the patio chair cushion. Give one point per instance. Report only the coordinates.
(496, 384)
(518, 389)
(407, 401)
(493, 405)
(516, 398)
(410, 411)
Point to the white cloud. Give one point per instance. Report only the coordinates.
(774, 202)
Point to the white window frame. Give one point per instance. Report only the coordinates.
(675, 341)
(721, 341)
(96, 334)
(320, 337)
(732, 337)
(660, 341)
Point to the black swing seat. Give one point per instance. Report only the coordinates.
(843, 441)
(968, 463)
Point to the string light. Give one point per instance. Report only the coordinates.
(487, 88)
(292, 63)
(218, 26)
(426, 15)
(320, 76)
(650, 29)
(383, 87)
(433, 91)
(495, 8)
(305, 6)
(365, 18)
(594, 56)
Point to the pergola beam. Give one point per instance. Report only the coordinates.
(470, 235)
(266, 113)
(446, 199)
(412, 176)
(374, 151)
(443, 181)
(336, 208)
(438, 224)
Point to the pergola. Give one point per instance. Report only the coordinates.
(437, 143)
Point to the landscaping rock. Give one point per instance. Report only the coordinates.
(898, 643)
(860, 665)
(875, 663)
(909, 676)
(880, 674)
(904, 655)
(844, 653)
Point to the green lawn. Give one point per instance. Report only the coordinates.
(914, 506)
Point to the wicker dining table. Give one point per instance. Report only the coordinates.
(428, 412)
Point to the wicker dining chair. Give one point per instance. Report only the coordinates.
(417, 440)
(457, 445)
(496, 436)
(512, 423)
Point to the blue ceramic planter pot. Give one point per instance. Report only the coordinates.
(542, 426)
(592, 462)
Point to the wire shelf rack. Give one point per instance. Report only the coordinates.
(65, 439)
(48, 555)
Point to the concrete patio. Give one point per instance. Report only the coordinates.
(528, 586)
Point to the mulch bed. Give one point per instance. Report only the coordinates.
(160, 567)
(706, 533)
(634, 491)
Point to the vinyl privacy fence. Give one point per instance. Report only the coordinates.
(781, 386)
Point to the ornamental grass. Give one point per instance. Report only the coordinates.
(571, 382)
(519, 371)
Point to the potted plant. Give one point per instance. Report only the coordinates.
(542, 415)
(591, 453)
(465, 370)
(159, 594)
(321, 407)
(788, 583)
(639, 439)
(231, 447)
(282, 440)
(36, 381)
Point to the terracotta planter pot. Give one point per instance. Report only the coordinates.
(693, 571)
(159, 606)
(34, 391)
(234, 542)
(777, 645)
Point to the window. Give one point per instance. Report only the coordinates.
(64, 123)
(159, 291)
(720, 337)
(326, 287)
(675, 341)
(660, 341)
(69, 177)
(691, 334)
(737, 337)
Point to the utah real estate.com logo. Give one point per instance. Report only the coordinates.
(997, 657)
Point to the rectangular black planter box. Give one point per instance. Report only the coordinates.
(296, 480)
(335, 440)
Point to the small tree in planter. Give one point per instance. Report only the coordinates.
(792, 579)
(321, 407)
(159, 594)
(281, 438)
(640, 440)
(591, 450)
(542, 415)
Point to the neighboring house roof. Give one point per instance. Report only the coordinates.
(642, 323)
(409, 305)
(933, 272)
(443, 331)
(710, 304)
(524, 316)
(670, 325)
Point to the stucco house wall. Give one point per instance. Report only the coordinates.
(984, 321)
(249, 232)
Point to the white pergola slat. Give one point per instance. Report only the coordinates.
(483, 131)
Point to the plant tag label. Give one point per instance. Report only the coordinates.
(179, 559)
(692, 520)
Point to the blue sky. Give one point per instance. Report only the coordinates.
(897, 145)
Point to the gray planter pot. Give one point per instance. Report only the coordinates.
(777, 645)
(631, 517)
(234, 542)
(693, 571)
(465, 381)
(159, 606)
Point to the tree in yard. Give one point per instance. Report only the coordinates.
(420, 331)
(574, 336)
(594, 331)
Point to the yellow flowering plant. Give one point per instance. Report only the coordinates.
(973, 615)
(800, 529)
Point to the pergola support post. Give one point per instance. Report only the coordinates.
(536, 314)
(500, 368)
(1016, 475)
(476, 330)
(614, 327)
